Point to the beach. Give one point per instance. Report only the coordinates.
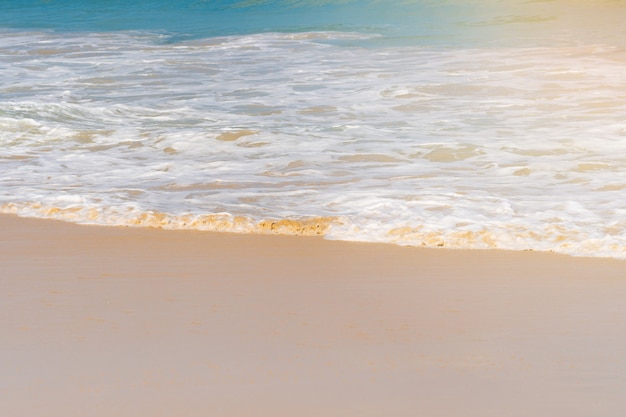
(111, 321)
(312, 208)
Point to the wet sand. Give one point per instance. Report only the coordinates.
(124, 322)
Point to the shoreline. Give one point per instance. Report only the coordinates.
(110, 321)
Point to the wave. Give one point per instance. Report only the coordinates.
(550, 237)
(308, 133)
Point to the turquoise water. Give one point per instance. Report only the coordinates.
(426, 22)
(460, 124)
(197, 19)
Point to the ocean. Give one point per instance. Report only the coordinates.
(457, 124)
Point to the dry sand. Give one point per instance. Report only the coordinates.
(123, 322)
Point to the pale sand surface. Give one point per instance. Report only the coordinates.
(136, 322)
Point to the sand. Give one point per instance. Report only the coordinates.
(135, 322)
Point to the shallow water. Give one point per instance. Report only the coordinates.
(457, 124)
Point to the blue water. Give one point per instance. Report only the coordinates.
(445, 22)
(453, 123)
(191, 19)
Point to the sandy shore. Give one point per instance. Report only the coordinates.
(136, 322)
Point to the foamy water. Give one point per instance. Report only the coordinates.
(320, 132)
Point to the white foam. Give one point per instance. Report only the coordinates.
(519, 148)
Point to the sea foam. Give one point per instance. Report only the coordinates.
(319, 133)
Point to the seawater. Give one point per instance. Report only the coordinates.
(461, 124)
